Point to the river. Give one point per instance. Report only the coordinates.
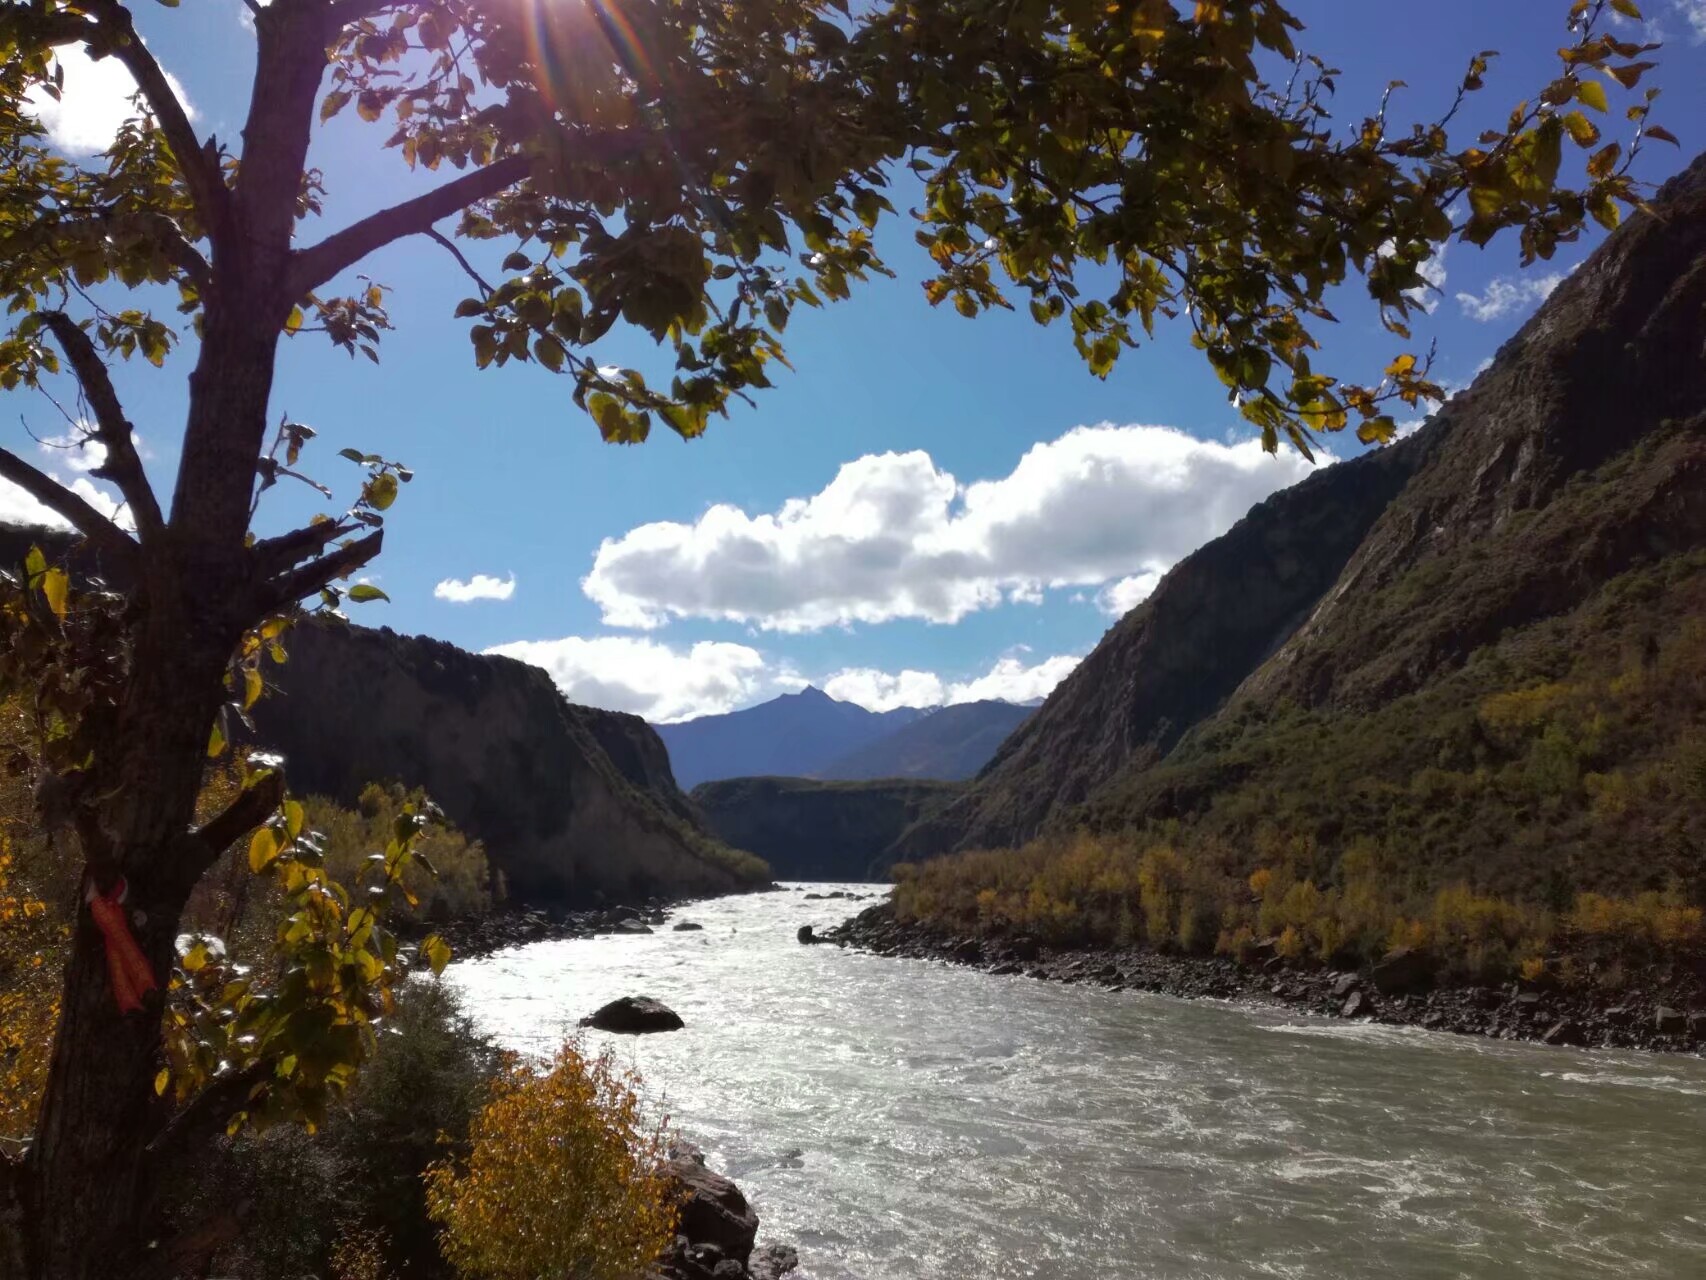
(899, 1119)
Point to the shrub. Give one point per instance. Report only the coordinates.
(563, 1178)
(355, 1189)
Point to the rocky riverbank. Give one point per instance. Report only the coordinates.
(1663, 1013)
(717, 1230)
(516, 927)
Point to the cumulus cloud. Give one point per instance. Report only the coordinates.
(1507, 294)
(895, 536)
(482, 586)
(19, 507)
(657, 681)
(1010, 679)
(886, 690)
(94, 102)
(1119, 598)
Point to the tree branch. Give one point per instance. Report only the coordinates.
(123, 466)
(275, 555)
(251, 808)
(60, 500)
(206, 1115)
(50, 233)
(316, 265)
(316, 574)
(199, 165)
(453, 251)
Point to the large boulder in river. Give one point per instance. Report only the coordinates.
(635, 1016)
(713, 1210)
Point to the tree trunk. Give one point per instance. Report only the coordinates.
(85, 1178)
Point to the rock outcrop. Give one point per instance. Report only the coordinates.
(573, 804)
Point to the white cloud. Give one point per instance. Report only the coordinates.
(884, 690)
(19, 507)
(1119, 598)
(1506, 294)
(482, 586)
(894, 536)
(657, 681)
(94, 102)
(1693, 12)
(1009, 680)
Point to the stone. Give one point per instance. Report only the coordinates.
(636, 1016)
(1025, 948)
(807, 937)
(1347, 983)
(772, 1262)
(633, 926)
(1354, 1005)
(1403, 971)
(968, 952)
(1668, 1021)
(1564, 1032)
(713, 1210)
(727, 1269)
(688, 926)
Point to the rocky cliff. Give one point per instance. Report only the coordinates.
(571, 802)
(1548, 524)
(811, 830)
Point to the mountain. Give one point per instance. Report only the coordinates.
(949, 744)
(571, 802)
(1474, 655)
(798, 734)
(812, 830)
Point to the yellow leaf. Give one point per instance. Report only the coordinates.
(161, 1080)
(1583, 132)
(56, 586)
(293, 321)
(293, 818)
(252, 687)
(1627, 8)
(1592, 93)
(1401, 366)
(436, 951)
(263, 850)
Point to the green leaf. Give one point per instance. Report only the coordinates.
(362, 592)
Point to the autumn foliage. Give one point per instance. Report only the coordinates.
(564, 1178)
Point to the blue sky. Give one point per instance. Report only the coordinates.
(928, 509)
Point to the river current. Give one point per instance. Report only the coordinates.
(897, 1119)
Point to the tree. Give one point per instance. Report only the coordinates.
(696, 169)
(563, 1178)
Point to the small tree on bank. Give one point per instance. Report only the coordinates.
(692, 168)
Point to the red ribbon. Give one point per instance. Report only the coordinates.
(127, 967)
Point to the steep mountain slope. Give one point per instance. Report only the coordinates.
(1484, 640)
(811, 830)
(796, 734)
(950, 744)
(1175, 657)
(571, 802)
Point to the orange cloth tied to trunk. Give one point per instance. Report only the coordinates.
(127, 967)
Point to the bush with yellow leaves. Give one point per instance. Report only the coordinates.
(564, 1178)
